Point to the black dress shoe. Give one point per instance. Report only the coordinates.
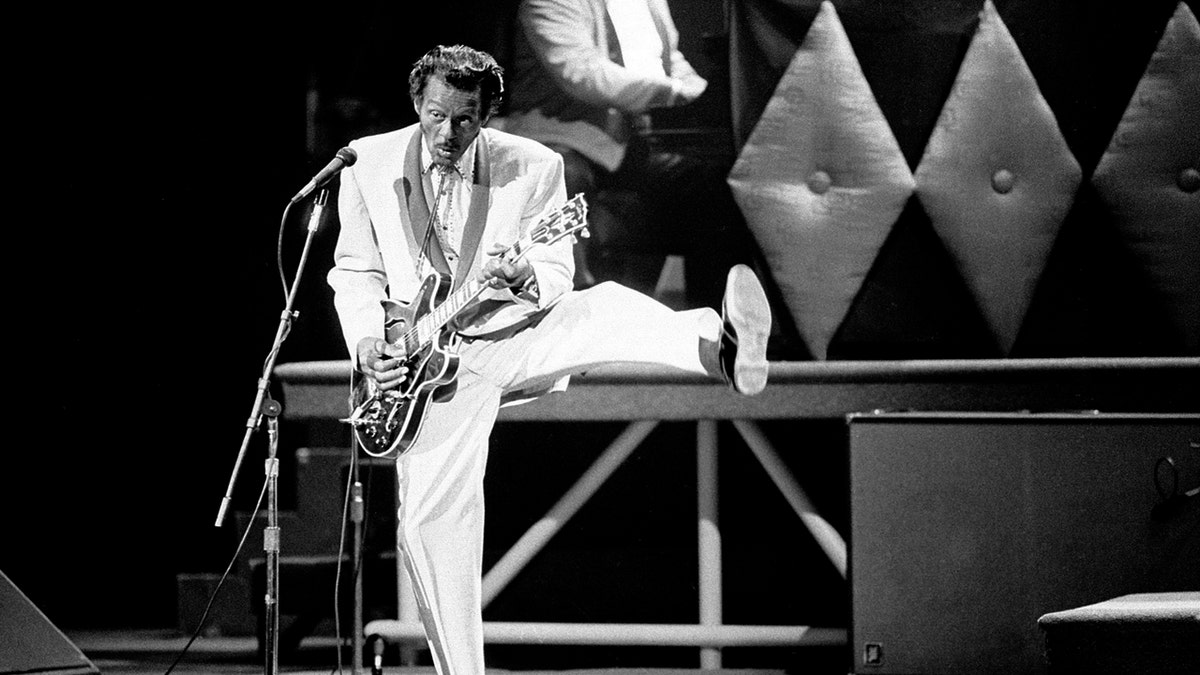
(746, 325)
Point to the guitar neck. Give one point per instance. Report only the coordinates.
(431, 324)
(569, 219)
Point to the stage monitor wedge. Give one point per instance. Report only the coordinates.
(30, 643)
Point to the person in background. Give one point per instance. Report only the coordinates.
(586, 73)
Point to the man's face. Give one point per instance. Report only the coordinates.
(450, 119)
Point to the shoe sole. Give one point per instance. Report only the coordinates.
(750, 317)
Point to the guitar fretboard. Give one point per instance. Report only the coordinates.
(570, 218)
(429, 325)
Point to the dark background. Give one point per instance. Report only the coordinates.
(155, 152)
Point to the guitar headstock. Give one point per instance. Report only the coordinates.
(571, 219)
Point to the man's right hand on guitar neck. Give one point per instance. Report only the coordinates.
(381, 362)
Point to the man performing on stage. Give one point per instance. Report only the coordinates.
(451, 197)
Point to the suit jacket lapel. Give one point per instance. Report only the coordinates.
(481, 196)
(418, 210)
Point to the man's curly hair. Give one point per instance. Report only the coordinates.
(463, 68)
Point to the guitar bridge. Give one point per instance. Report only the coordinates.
(367, 414)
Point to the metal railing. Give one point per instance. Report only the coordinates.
(645, 396)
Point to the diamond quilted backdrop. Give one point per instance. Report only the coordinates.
(821, 181)
(997, 178)
(1054, 150)
(1149, 177)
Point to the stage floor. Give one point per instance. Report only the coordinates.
(151, 652)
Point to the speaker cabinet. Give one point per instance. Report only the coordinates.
(966, 528)
(29, 643)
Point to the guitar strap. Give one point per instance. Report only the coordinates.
(419, 222)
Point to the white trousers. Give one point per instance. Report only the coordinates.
(440, 531)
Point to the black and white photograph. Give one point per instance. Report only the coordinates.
(604, 337)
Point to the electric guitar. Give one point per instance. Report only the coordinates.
(387, 423)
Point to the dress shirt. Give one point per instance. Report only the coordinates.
(451, 214)
(641, 45)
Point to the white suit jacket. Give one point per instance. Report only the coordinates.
(384, 213)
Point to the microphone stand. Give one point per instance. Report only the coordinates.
(271, 542)
(357, 513)
(265, 406)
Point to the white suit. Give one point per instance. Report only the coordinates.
(527, 347)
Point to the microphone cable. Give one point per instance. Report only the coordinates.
(216, 591)
(360, 557)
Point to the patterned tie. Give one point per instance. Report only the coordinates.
(447, 221)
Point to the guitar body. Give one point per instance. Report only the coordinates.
(389, 422)
(386, 423)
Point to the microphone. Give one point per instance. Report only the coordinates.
(344, 158)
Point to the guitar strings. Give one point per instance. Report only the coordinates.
(413, 334)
